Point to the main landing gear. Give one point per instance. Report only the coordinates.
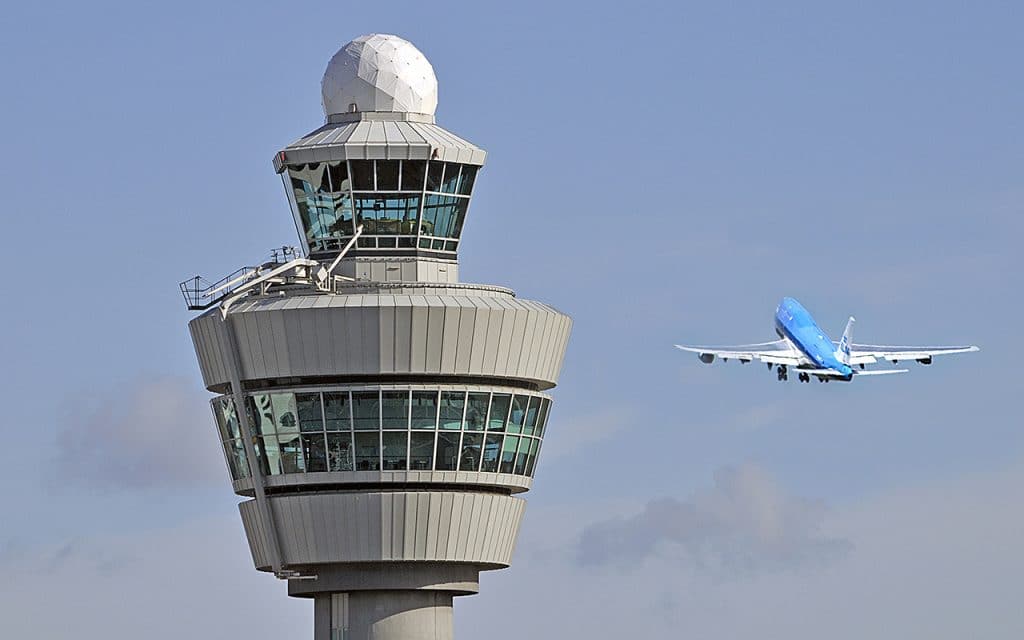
(782, 373)
(805, 377)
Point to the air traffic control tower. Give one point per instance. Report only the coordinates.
(379, 416)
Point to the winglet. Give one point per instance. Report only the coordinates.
(843, 352)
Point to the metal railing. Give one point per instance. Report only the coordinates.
(201, 294)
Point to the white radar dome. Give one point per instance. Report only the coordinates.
(379, 72)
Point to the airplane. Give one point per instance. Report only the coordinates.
(805, 347)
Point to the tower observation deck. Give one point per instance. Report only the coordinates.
(379, 416)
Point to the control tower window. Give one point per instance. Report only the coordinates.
(315, 451)
(472, 445)
(453, 405)
(447, 451)
(396, 444)
(443, 215)
(421, 451)
(450, 182)
(401, 204)
(476, 412)
(368, 451)
(467, 180)
(395, 409)
(387, 213)
(387, 175)
(339, 452)
(413, 174)
(309, 432)
(361, 172)
(366, 410)
(424, 409)
(435, 173)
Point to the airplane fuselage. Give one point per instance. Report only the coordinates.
(794, 324)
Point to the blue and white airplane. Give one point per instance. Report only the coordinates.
(805, 347)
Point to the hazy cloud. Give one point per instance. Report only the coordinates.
(159, 433)
(744, 523)
(578, 432)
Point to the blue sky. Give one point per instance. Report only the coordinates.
(663, 173)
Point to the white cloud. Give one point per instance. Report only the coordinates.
(744, 523)
(158, 433)
(941, 562)
(567, 437)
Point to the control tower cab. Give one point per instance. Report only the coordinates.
(379, 416)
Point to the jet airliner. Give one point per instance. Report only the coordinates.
(806, 348)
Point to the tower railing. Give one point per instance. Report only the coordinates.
(201, 294)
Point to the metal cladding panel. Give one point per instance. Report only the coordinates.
(450, 326)
(399, 526)
(536, 330)
(516, 343)
(386, 334)
(488, 346)
(435, 343)
(417, 347)
(502, 347)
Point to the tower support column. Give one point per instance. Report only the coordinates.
(383, 615)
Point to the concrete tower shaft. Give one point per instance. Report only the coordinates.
(379, 415)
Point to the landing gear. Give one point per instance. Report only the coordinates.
(804, 377)
(783, 374)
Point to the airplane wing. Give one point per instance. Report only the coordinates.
(777, 352)
(861, 354)
(832, 373)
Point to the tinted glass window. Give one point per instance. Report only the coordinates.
(285, 412)
(532, 459)
(395, 450)
(310, 413)
(236, 459)
(476, 411)
(500, 403)
(472, 445)
(413, 172)
(395, 409)
(361, 173)
(467, 180)
(388, 213)
(542, 418)
(339, 452)
(522, 456)
(262, 414)
(518, 414)
(270, 456)
(508, 454)
(452, 405)
(531, 415)
(291, 454)
(434, 173)
(447, 451)
(368, 451)
(424, 409)
(421, 451)
(336, 410)
(387, 175)
(450, 184)
(492, 451)
(365, 410)
(228, 419)
(315, 451)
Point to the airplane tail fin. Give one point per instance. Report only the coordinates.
(843, 352)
